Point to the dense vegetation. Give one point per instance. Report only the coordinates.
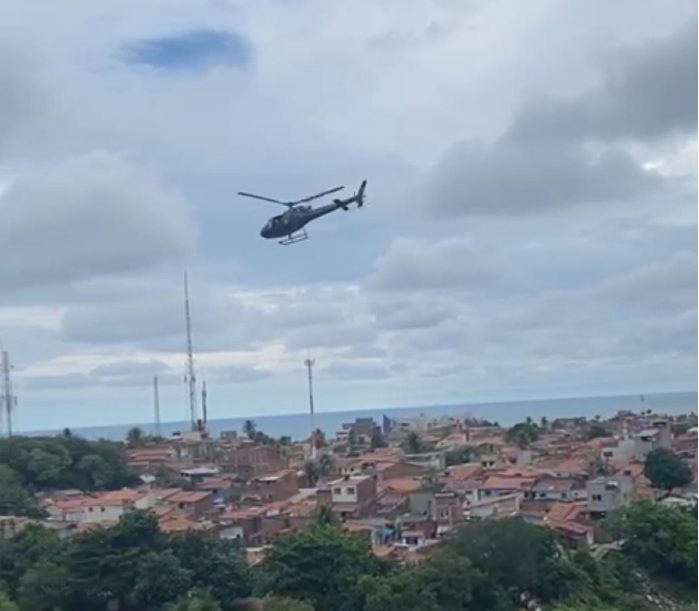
(483, 566)
(666, 470)
(33, 464)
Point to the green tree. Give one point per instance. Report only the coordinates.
(326, 464)
(161, 579)
(377, 439)
(135, 437)
(283, 603)
(45, 463)
(311, 470)
(597, 430)
(250, 429)
(666, 470)
(29, 546)
(215, 564)
(320, 439)
(584, 607)
(44, 587)
(680, 428)
(14, 499)
(445, 582)
(460, 455)
(322, 565)
(201, 601)
(661, 539)
(523, 434)
(413, 444)
(520, 556)
(324, 516)
(6, 604)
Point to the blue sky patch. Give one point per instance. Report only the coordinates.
(191, 50)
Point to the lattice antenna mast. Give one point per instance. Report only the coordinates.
(9, 401)
(309, 365)
(204, 408)
(156, 404)
(190, 376)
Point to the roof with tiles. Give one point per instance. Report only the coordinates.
(463, 472)
(499, 482)
(401, 485)
(565, 511)
(214, 483)
(184, 496)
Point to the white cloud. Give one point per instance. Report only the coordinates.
(90, 216)
(110, 173)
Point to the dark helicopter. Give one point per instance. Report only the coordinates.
(290, 225)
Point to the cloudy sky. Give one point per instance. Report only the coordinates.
(530, 231)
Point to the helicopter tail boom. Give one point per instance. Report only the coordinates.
(357, 198)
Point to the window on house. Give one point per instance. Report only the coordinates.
(564, 495)
(350, 490)
(102, 509)
(337, 491)
(180, 505)
(596, 497)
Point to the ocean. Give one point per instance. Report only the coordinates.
(297, 426)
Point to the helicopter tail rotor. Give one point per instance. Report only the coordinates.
(360, 194)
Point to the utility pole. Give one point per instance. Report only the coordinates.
(156, 404)
(190, 376)
(309, 365)
(9, 400)
(204, 409)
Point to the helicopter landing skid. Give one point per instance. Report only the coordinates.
(296, 237)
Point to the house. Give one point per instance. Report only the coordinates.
(109, 506)
(198, 474)
(65, 510)
(276, 486)
(548, 488)
(606, 493)
(219, 487)
(256, 460)
(624, 449)
(462, 479)
(353, 496)
(194, 504)
(149, 457)
(503, 506)
(646, 441)
(664, 429)
(427, 460)
(496, 485)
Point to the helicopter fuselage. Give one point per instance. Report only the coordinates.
(294, 220)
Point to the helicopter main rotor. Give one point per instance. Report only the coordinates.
(290, 204)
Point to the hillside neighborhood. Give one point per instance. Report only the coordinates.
(402, 485)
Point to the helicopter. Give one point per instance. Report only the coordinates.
(291, 224)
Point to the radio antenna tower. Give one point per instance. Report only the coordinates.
(309, 365)
(204, 409)
(9, 401)
(190, 376)
(156, 405)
